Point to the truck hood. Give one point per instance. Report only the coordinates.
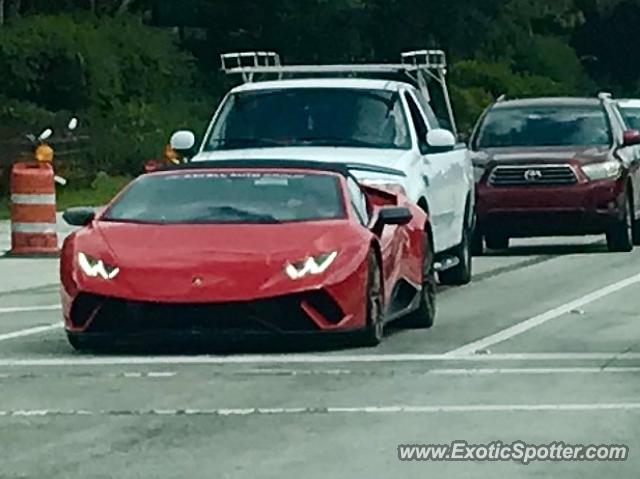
(390, 158)
(542, 155)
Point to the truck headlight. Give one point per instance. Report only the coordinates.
(602, 171)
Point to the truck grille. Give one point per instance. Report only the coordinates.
(533, 175)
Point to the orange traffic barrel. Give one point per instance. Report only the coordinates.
(33, 210)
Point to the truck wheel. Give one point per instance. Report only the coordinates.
(461, 274)
(497, 242)
(425, 315)
(477, 243)
(620, 235)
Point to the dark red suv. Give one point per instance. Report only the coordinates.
(556, 167)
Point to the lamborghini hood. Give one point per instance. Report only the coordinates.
(205, 263)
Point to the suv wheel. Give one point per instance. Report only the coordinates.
(620, 236)
(461, 274)
(497, 242)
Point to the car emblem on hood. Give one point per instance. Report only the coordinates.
(533, 175)
(197, 282)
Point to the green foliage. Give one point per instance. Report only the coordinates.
(130, 84)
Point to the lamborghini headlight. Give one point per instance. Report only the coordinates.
(602, 171)
(312, 265)
(96, 268)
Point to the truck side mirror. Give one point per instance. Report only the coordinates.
(440, 140)
(184, 142)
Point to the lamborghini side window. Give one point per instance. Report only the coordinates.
(358, 200)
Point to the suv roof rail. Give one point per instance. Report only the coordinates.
(417, 67)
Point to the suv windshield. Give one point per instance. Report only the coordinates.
(229, 197)
(631, 117)
(311, 117)
(546, 125)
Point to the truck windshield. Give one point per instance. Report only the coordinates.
(311, 117)
(229, 197)
(550, 125)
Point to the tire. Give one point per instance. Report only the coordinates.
(373, 333)
(620, 235)
(424, 317)
(636, 233)
(477, 243)
(81, 344)
(497, 242)
(461, 274)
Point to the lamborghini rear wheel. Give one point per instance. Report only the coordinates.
(425, 315)
(84, 344)
(374, 330)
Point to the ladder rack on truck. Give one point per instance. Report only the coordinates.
(420, 68)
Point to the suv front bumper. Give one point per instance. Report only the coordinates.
(523, 211)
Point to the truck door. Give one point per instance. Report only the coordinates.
(438, 173)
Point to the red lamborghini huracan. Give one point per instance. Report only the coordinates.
(262, 247)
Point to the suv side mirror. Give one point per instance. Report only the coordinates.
(631, 138)
(392, 215)
(183, 141)
(79, 216)
(440, 140)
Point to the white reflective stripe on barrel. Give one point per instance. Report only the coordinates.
(33, 228)
(19, 199)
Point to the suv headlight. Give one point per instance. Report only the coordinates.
(96, 268)
(602, 171)
(316, 264)
(478, 172)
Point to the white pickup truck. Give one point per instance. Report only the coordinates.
(374, 114)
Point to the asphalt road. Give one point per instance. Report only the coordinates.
(544, 346)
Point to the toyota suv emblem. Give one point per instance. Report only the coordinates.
(533, 175)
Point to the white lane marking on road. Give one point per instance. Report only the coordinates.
(321, 372)
(394, 409)
(29, 332)
(30, 309)
(532, 371)
(536, 321)
(77, 360)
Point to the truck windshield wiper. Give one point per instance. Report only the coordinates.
(247, 142)
(339, 141)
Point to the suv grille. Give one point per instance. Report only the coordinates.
(533, 175)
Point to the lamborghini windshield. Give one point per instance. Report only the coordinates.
(229, 197)
(311, 117)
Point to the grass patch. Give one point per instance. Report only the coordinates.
(101, 191)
